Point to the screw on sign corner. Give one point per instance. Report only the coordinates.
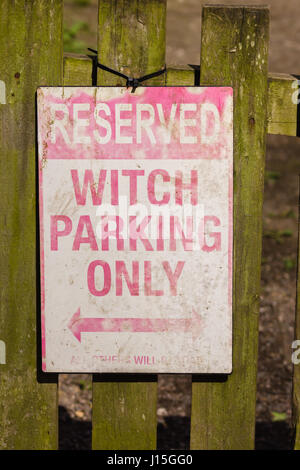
(2, 352)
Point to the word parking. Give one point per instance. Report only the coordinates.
(135, 196)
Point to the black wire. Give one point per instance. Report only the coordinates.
(130, 81)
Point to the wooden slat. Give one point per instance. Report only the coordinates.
(124, 412)
(282, 96)
(131, 39)
(78, 70)
(282, 104)
(235, 52)
(296, 374)
(30, 56)
(282, 93)
(181, 76)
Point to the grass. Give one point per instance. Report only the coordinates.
(71, 41)
(289, 264)
(278, 235)
(276, 417)
(271, 175)
(85, 385)
(289, 214)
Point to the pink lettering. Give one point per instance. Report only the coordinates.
(176, 226)
(173, 277)
(151, 187)
(133, 174)
(88, 180)
(55, 233)
(106, 234)
(138, 233)
(85, 221)
(192, 186)
(133, 285)
(215, 235)
(148, 281)
(91, 278)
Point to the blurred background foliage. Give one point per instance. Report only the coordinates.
(80, 25)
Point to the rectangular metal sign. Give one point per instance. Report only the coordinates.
(135, 201)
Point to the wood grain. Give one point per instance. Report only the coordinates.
(131, 39)
(30, 56)
(235, 53)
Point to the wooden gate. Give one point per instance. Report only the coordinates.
(131, 39)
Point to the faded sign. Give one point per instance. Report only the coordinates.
(136, 229)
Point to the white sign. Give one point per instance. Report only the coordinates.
(136, 229)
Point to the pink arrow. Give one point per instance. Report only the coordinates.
(79, 325)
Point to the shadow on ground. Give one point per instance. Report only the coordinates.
(74, 434)
(173, 434)
(273, 436)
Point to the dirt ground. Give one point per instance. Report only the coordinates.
(279, 247)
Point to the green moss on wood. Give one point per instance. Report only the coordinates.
(30, 56)
(180, 76)
(235, 52)
(124, 415)
(131, 39)
(77, 70)
(282, 108)
(282, 104)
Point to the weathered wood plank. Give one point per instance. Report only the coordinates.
(282, 97)
(296, 374)
(131, 39)
(124, 413)
(282, 107)
(78, 70)
(125, 418)
(30, 56)
(235, 52)
(282, 104)
(181, 76)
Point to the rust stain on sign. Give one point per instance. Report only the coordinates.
(136, 229)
